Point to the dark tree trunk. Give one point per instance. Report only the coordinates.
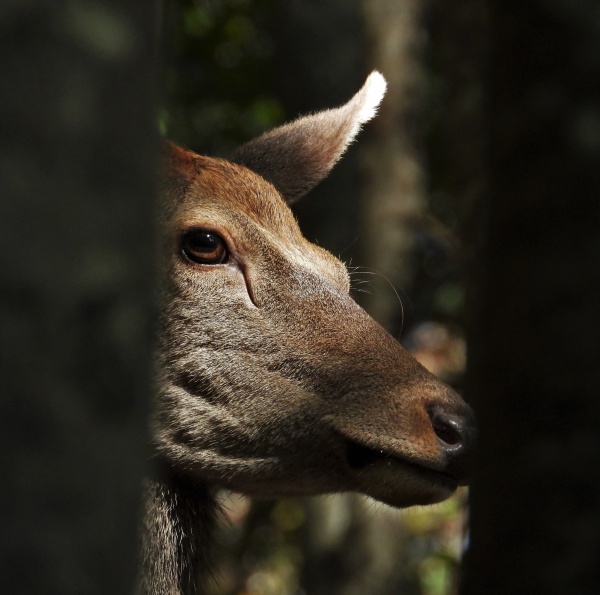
(320, 65)
(77, 164)
(535, 339)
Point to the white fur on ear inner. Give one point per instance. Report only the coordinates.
(370, 97)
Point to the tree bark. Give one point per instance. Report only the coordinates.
(534, 345)
(77, 162)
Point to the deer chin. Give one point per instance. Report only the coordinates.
(395, 479)
(344, 464)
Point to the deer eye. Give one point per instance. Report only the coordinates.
(204, 247)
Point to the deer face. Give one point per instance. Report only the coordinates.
(273, 380)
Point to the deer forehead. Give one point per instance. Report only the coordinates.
(252, 216)
(239, 190)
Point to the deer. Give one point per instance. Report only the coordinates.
(272, 381)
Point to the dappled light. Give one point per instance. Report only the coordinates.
(264, 544)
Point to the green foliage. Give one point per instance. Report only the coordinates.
(218, 73)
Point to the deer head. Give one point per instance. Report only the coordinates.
(273, 381)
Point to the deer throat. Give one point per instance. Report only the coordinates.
(178, 527)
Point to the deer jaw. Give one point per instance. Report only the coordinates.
(274, 382)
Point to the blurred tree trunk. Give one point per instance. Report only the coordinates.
(77, 163)
(393, 163)
(535, 337)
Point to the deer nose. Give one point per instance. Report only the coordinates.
(456, 435)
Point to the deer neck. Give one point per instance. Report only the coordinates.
(179, 522)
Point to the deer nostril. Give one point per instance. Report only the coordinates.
(455, 430)
(448, 430)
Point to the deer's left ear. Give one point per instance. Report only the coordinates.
(297, 156)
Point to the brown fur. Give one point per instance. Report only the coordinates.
(273, 381)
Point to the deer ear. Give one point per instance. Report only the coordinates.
(180, 164)
(180, 167)
(295, 157)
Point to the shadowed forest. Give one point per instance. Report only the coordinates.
(467, 213)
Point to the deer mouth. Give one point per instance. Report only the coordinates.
(361, 457)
